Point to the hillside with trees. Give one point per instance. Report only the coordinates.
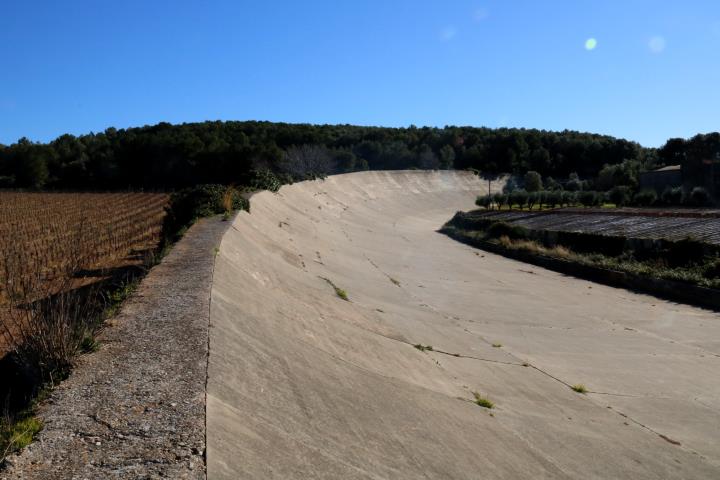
(166, 157)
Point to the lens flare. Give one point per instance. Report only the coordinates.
(657, 44)
(590, 44)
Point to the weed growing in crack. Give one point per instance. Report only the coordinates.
(482, 401)
(395, 281)
(497, 345)
(424, 348)
(579, 388)
(338, 291)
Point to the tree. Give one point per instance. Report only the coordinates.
(588, 198)
(533, 181)
(574, 184)
(533, 198)
(307, 161)
(673, 152)
(447, 157)
(619, 195)
(166, 156)
(519, 197)
(672, 196)
(568, 198)
(553, 198)
(345, 160)
(427, 160)
(622, 175)
(31, 164)
(500, 199)
(484, 201)
(540, 159)
(552, 184)
(699, 197)
(645, 198)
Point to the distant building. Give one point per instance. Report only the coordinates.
(662, 178)
(703, 173)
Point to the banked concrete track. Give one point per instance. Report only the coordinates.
(305, 385)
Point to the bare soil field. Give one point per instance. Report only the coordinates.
(349, 339)
(49, 240)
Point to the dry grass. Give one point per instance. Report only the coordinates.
(227, 199)
(532, 246)
(579, 388)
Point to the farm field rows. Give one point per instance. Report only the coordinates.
(634, 223)
(55, 241)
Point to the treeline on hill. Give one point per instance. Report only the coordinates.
(165, 156)
(619, 183)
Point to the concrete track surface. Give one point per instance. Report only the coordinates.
(303, 384)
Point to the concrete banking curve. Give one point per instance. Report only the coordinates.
(303, 384)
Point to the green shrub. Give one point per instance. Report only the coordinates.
(672, 196)
(712, 269)
(533, 182)
(500, 199)
(483, 401)
(588, 198)
(619, 195)
(484, 201)
(519, 197)
(533, 198)
(699, 197)
(18, 434)
(542, 199)
(268, 180)
(568, 198)
(645, 198)
(553, 198)
(196, 202)
(504, 229)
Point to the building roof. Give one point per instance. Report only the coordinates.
(668, 168)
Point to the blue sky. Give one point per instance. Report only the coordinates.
(85, 65)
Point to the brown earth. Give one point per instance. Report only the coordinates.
(136, 408)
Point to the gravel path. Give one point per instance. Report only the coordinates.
(136, 408)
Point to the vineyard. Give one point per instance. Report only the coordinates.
(51, 242)
(651, 224)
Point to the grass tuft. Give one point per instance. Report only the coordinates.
(497, 345)
(579, 388)
(338, 291)
(482, 401)
(16, 435)
(424, 348)
(89, 345)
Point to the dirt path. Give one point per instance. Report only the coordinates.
(136, 408)
(303, 384)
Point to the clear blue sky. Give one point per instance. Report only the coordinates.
(83, 65)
